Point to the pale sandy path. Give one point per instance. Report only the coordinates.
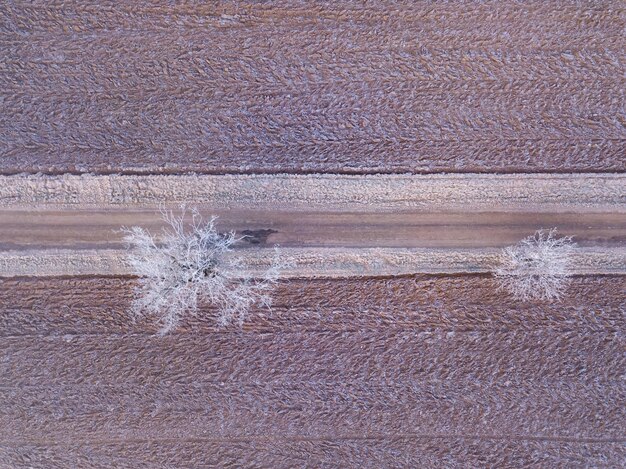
(332, 193)
(307, 262)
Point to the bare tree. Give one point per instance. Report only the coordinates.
(189, 267)
(538, 267)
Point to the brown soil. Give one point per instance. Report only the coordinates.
(100, 229)
(402, 371)
(334, 86)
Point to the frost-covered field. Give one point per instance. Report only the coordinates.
(393, 150)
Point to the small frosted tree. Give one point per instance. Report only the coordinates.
(189, 267)
(538, 267)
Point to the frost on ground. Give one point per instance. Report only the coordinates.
(538, 267)
(188, 268)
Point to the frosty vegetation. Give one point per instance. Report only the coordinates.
(538, 267)
(188, 268)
